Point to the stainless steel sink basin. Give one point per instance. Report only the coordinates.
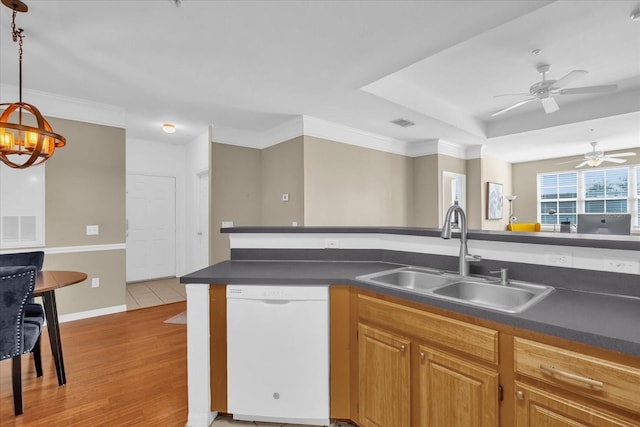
(409, 278)
(515, 297)
(512, 298)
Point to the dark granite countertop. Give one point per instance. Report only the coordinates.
(602, 320)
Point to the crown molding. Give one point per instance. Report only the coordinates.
(65, 107)
(335, 132)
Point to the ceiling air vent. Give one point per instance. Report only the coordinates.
(403, 122)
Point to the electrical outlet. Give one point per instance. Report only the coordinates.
(559, 259)
(331, 243)
(622, 265)
(95, 282)
(93, 230)
(227, 224)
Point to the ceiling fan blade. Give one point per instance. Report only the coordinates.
(582, 164)
(570, 161)
(504, 110)
(575, 74)
(613, 160)
(629, 154)
(588, 89)
(549, 104)
(512, 94)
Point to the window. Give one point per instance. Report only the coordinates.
(606, 191)
(558, 197)
(561, 196)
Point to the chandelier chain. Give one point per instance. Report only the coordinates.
(18, 36)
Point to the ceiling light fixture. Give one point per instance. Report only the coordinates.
(169, 127)
(635, 15)
(36, 140)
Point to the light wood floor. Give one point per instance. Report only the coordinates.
(124, 369)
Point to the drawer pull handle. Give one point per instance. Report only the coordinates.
(559, 372)
(421, 355)
(403, 348)
(519, 395)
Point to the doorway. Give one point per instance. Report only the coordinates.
(151, 227)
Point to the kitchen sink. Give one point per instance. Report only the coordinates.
(515, 297)
(409, 278)
(512, 298)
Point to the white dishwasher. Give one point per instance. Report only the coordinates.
(278, 353)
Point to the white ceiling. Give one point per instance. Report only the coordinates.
(249, 66)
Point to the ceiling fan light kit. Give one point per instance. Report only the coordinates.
(545, 90)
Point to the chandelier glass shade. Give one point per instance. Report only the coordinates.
(26, 138)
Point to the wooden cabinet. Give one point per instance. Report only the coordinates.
(418, 369)
(456, 393)
(385, 383)
(577, 388)
(537, 408)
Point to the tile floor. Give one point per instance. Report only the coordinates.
(228, 421)
(154, 292)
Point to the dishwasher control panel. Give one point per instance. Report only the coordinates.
(270, 292)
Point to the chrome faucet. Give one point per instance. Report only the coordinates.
(465, 256)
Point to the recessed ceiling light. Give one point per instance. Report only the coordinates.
(403, 122)
(169, 127)
(635, 15)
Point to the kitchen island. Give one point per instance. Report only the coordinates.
(593, 311)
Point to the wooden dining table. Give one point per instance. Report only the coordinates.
(47, 281)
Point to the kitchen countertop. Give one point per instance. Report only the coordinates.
(602, 320)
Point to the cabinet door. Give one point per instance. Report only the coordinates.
(384, 389)
(536, 408)
(455, 392)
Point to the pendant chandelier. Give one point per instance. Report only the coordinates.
(26, 138)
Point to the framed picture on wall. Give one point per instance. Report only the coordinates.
(494, 200)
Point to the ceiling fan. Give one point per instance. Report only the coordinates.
(545, 90)
(595, 158)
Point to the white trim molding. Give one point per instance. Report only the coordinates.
(70, 249)
(66, 107)
(91, 313)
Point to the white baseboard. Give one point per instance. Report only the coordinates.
(91, 313)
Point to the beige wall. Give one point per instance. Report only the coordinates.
(349, 185)
(475, 194)
(425, 192)
(235, 193)
(282, 172)
(525, 176)
(85, 185)
(498, 171)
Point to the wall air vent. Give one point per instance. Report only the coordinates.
(403, 122)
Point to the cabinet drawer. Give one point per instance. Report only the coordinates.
(474, 340)
(596, 378)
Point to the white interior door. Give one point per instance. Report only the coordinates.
(202, 256)
(151, 226)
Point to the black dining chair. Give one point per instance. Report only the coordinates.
(34, 313)
(17, 337)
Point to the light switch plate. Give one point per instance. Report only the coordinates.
(93, 230)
